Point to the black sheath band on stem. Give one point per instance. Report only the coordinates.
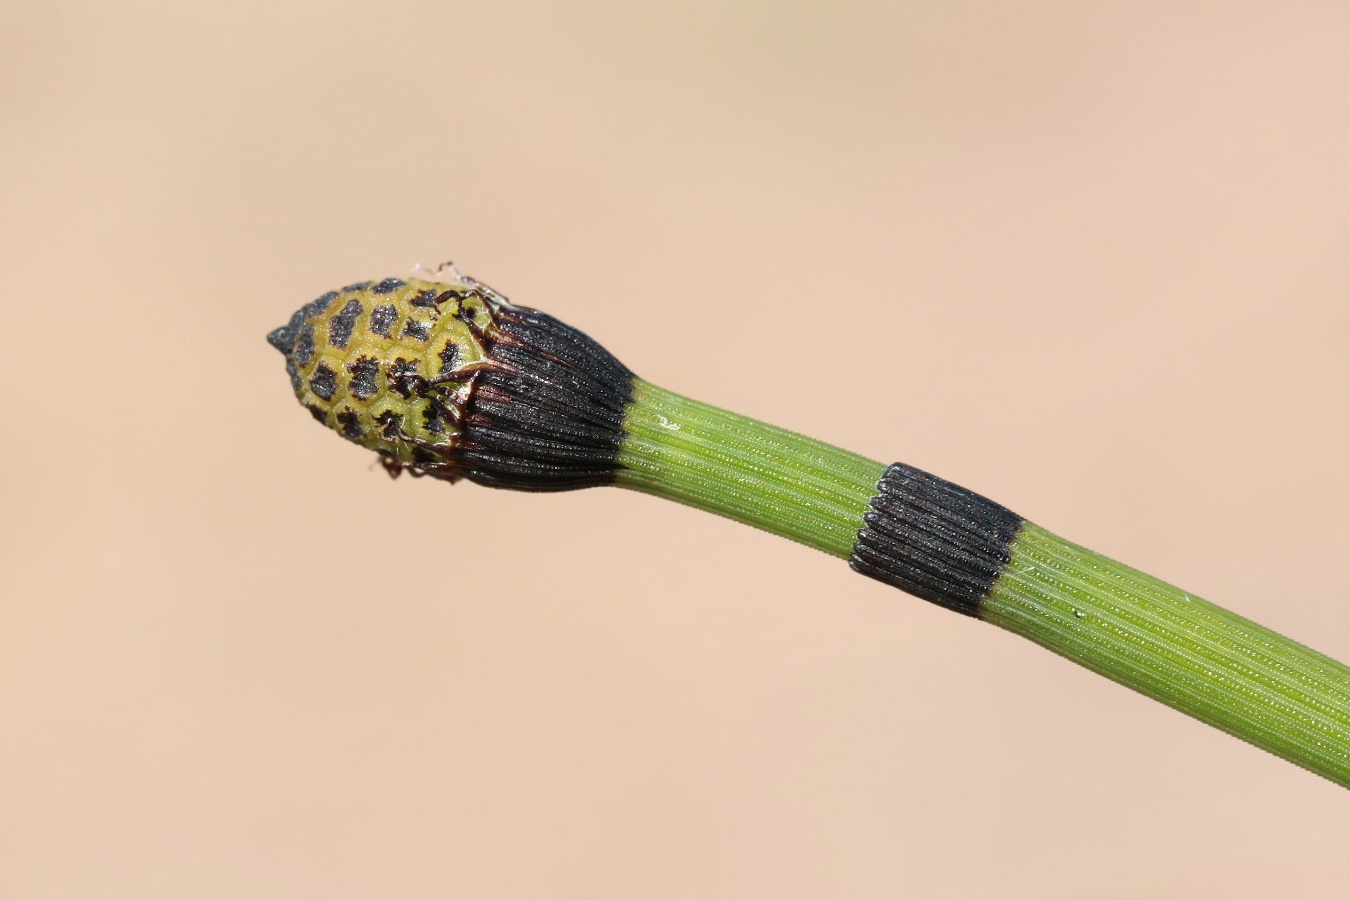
(550, 417)
(934, 539)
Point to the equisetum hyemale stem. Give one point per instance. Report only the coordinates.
(450, 380)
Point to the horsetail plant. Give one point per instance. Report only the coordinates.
(452, 381)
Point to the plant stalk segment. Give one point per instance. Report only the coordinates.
(451, 381)
(777, 480)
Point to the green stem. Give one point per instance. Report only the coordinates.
(1147, 635)
(774, 479)
(1194, 656)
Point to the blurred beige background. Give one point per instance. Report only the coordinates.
(1089, 259)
